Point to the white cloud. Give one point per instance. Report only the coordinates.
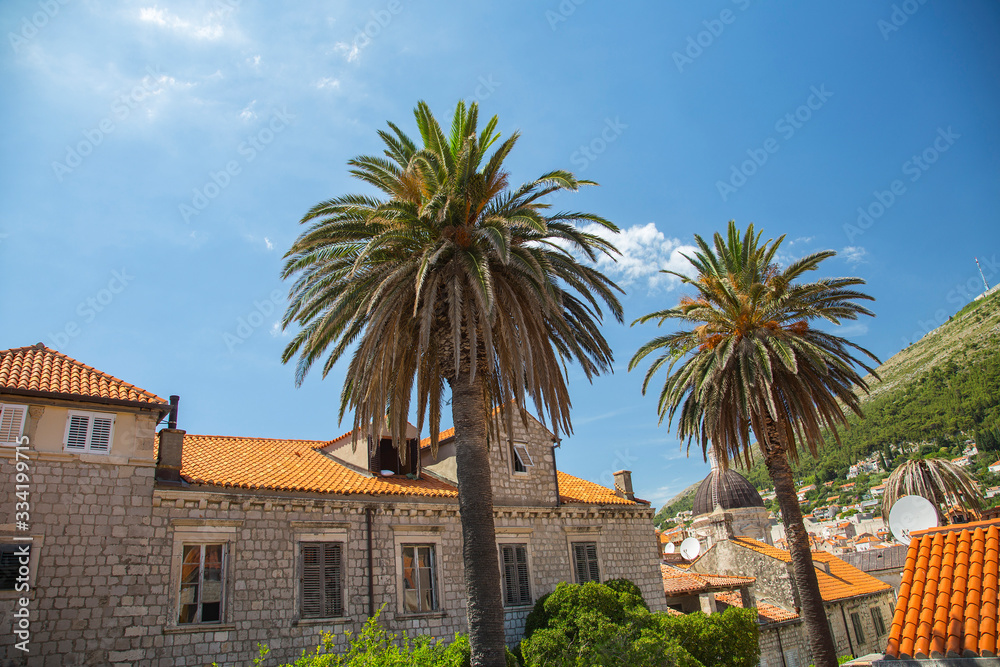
(255, 61)
(209, 28)
(248, 114)
(658, 497)
(328, 83)
(349, 51)
(854, 254)
(645, 251)
(267, 242)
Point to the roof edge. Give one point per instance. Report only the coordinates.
(164, 408)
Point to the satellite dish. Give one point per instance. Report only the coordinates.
(669, 549)
(910, 514)
(690, 548)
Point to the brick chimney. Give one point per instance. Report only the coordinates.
(168, 462)
(623, 484)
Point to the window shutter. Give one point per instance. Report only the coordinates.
(580, 558)
(11, 422)
(524, 594)
(100, 436)
(332, 599)
(509, 574)
(76, 433)
(312, 577)
(595, 574)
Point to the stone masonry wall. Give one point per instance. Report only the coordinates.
(784, 645)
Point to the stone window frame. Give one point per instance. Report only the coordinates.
(202, 531)
(580, 534)
(88, 446)
(419, 535)
(7, 536)
(320, 531)
(521, 537)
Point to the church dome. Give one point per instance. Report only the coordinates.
(726, 488)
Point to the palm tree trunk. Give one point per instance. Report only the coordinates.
(475, 502)
(824, 653)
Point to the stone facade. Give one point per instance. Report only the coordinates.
(107, 557)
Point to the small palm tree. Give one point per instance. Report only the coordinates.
(751, 367)
(451, 277)
(937, 480)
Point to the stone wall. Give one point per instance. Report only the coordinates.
(109, 568)
(784, 645)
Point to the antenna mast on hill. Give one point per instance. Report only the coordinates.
(986, 284)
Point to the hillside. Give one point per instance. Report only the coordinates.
(932, 395)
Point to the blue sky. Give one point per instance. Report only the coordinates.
(158, 155)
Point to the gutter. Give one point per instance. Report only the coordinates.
(371, 572)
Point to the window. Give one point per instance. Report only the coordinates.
(514, 559)
(89, 432)
(12, 557)
(418, 578)
(201, 583)
(522, 459)
(12, 418)
(321, 567)
(859, 632)
(585, 562)
(386, 457)
(878, 621)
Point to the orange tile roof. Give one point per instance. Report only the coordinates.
(575, 490)
(41, 369)
(299, 465)
(844, 581)
(289, 465)
(766, 612)
(948, 595)
(683, 582)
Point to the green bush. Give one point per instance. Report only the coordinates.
(610, 625)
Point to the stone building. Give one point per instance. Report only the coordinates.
(156, 549)
(727, 504)
(858, 606)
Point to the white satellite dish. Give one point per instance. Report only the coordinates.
(690, 548)
(669, 549)
(910, 514)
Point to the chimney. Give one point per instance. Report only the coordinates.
(623, 484)
(168, 463)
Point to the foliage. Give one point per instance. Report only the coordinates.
(988, 438)
(375, 647)
(609, 625)
(936, 480)
(627, 587)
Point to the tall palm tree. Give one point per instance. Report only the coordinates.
(937, 480)
(450, 277)
(751, 366)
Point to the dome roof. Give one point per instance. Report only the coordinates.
(727, 488)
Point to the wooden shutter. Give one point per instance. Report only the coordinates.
(509, 573)
(11, 422)
(593, 571)
(332, 598)
(524, 590)
(76, 432)
(580, 562)
(312, 580)
(100, 433)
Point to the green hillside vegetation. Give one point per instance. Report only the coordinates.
(933, 397)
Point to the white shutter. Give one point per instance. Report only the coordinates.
(12, 422)
(76, 432)
(100, 434)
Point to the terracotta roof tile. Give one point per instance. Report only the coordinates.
(947, 603)
(575, 490)
(38, 368)
(842, 582)
(766, 612)
(682, 582)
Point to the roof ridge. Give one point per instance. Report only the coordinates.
(253, 437)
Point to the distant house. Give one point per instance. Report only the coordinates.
(883, 564)
(961, 462)
(877, 491)
(947, 607)
(992, 491)
(995, 468)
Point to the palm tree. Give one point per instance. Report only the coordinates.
(937, 480)
(451, 277)
(752, 366)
